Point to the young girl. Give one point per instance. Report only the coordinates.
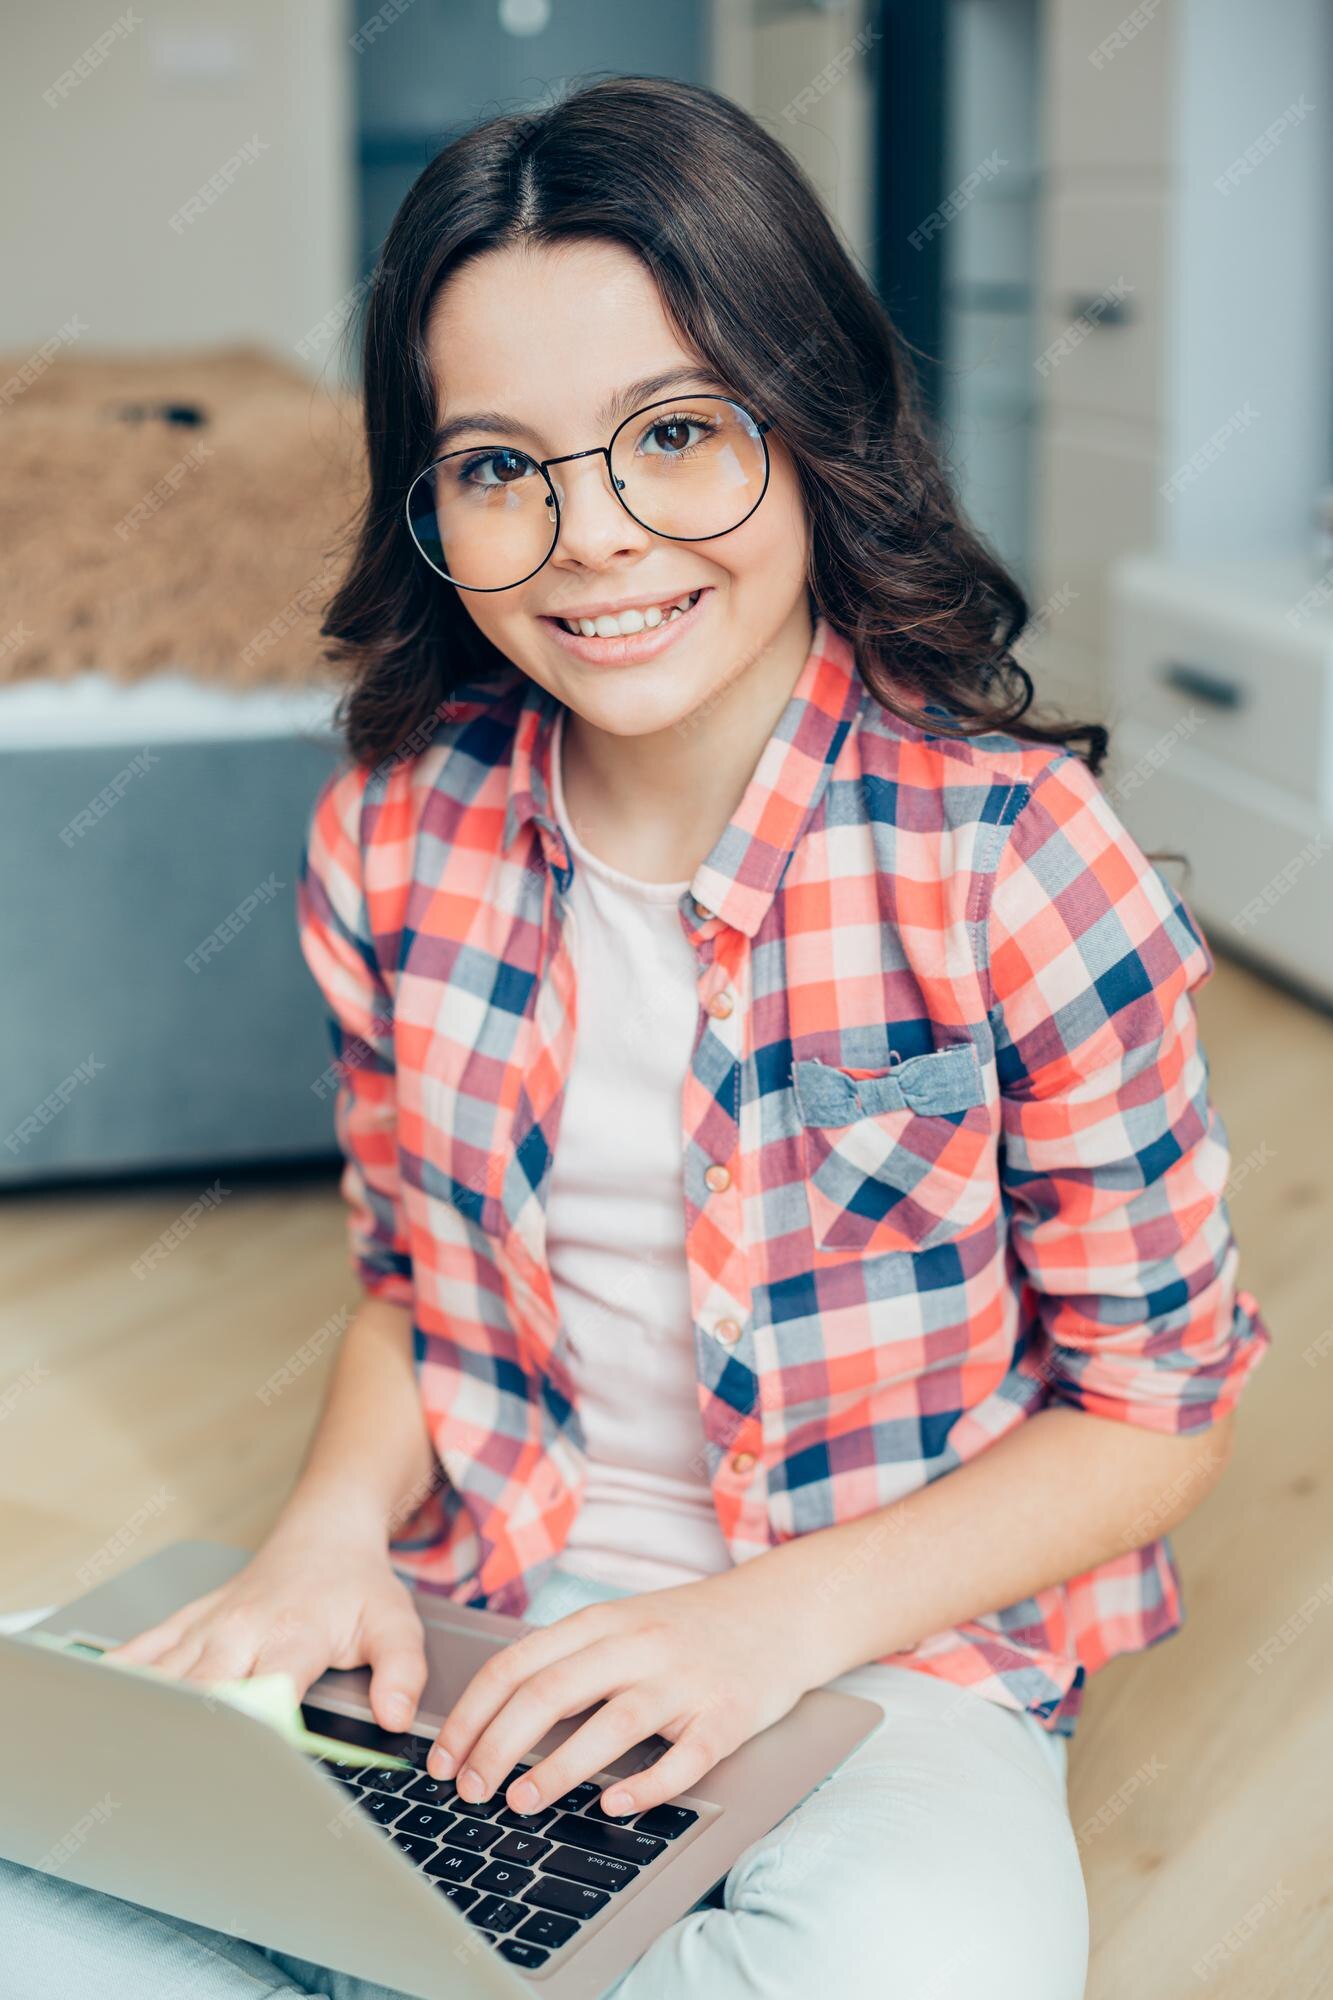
(779, 1156)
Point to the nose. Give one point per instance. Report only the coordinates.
(593, 523)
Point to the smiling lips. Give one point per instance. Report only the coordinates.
(615, 625)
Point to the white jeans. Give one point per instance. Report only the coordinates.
(937, 1862)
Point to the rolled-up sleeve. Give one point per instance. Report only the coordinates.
(338, 946)
(1113, 1160)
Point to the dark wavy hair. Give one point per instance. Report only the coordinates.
(754, 278)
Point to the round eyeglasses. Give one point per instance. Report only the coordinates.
(487, 517)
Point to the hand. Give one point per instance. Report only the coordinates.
(705, 1664)
(306, 1601)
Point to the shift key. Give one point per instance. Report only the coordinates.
(599, 1871)
(619, 1841)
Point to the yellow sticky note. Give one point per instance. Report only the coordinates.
(273, 1698)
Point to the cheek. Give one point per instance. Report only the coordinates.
(508, 625)
(771, 546)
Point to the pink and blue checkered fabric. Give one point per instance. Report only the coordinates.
(948, 1148)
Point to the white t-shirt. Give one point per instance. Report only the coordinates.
(615, 1221)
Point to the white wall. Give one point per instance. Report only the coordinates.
(814, 63)
(93, 178)
(1248, 275)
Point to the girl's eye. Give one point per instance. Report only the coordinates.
(513, 466)
(672, 432)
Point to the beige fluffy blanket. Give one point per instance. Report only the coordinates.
(132, 543)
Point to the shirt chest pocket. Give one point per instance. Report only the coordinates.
(900, 1160)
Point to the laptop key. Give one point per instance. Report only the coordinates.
(381, 1806)
(603, 1838)
(601, 1870)
(458, 1892)
(545, 1927)
(413, 1846)
(430, 1791)
(474, 1834)
(385, 1781)
(478, 1808)
(520, 1847)
(504, 1878)
(426, 1820)
(579, 1796)
(595, 1810)
(570, 1899)
(519, 1953)
(526, 1822)
(497, 1913)
(669, 1822)
(454, 1864)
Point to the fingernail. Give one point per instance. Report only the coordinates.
(439, 1763)
(397, 1711)
(525, 1795)
(471, 1781)
(617, 1802)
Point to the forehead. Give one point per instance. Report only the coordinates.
(546, 332)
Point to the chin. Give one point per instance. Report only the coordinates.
(625, 712)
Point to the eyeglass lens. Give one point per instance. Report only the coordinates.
(690, 470)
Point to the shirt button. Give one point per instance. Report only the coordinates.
(741, 1461)
(717, 1178)
(728, 1330)
(702, 912)
(720, 1004)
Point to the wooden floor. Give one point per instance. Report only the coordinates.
(1201, 1782)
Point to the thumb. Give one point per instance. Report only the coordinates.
(398, 1668)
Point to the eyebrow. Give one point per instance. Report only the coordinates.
(630, 397)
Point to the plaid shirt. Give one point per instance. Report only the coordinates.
(948, 1149)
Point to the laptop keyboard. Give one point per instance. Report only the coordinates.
(528, 1881)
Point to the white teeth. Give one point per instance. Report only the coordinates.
(633, 620)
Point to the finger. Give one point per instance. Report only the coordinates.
(497, 1678)
(398, 1668)
(155, 1640)
(303, 1655)
(563, 1688)
(541, 1701)
(237, 1651)
(678, 1770)
(228, 1648)
(180, 1658)
(629, 1717)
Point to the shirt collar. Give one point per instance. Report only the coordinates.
(738, 879)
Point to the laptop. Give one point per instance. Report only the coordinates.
(150, 1789)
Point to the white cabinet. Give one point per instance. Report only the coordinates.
(1221, 710)
(1183, 180)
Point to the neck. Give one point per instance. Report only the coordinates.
(655, 805)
